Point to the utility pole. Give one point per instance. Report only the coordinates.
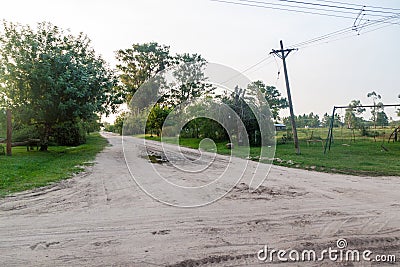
(282, 54)
(9, 132)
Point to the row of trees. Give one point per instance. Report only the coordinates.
(352, 118)
(57, 87)
(353, 115)
(140, 62)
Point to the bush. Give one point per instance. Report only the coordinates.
(109, 127)
(23, 133)
(69, 134)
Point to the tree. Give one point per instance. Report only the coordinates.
(139, 63)
(156, 119)
(311, 120)
(382, 119)
(49, 77)
(326, 121)
(376, 107)
(191, 82)
(119, 123)
(350, 117)
(272, 95)
(398, 110)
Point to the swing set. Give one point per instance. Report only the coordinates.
(329, 138)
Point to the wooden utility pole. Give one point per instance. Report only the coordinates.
(9, 132)
(282, 54)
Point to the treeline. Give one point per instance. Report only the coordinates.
(352, 117)
(58, 87)
(142, 61)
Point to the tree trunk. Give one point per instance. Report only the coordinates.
(45, 139)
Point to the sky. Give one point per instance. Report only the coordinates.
(321, 75)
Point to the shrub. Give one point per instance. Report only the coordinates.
(69, 134)
(23, 133)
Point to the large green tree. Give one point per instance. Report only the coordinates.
(275, 101)
(191, 82)
(382, 119)
(49, 76)
(139, 63)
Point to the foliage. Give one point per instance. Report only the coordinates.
(156, 119)
(363, 157)
(382, 119)
(93, 124)
(69, 133)
(398, 110)
(377, 106)
(108, 127)
(27, 170)
(119, 123)
(326, 120)
(306, 120)
(239, 102)
(191, 82)
(272, 95)
(3, 123)
(350, 118)
(139, 63)
(204, 128)
(48, 77)
(25, 132)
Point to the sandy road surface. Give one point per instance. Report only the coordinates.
(102, 218)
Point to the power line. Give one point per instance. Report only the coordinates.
(301, 7)
(283, 9)
(274, 6)
(360, 7)
(340, 34)
(249, 68)
(344, 31)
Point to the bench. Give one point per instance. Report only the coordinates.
(30, 144)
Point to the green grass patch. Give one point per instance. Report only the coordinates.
(362, 156)
(26, 170)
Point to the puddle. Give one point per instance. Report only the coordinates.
(156, 159)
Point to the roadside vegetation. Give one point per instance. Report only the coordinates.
(349, 154)
(27, 170)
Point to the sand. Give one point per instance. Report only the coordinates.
(101, 217)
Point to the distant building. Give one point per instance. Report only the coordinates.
(280, 126)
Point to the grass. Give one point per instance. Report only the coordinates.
(26, 170)
(364, 156)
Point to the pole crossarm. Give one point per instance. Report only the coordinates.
(285, 52)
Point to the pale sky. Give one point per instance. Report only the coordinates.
(321, 76)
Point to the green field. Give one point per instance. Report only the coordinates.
(25, 170)
(357, 155)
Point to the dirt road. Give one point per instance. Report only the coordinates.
(102, 218)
